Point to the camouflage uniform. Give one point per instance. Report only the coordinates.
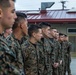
(42, 56)
(58, 57)
(61, 68)
(16, 45)
(33, 56)
(67, 58)
(49, 56)
(8, 59)
(57, 54)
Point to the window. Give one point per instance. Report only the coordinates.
(71, 30)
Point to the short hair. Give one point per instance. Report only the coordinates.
(5, 3)
(61, 34)
(53, 28)
(20, 17)
(65, 35)
(33, 28)
(44, 24)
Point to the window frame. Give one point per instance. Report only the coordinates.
(71, 32)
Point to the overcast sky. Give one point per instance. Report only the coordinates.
(36, 4)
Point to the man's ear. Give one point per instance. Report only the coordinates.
(21, 25)
(34, 34)
(1, 13)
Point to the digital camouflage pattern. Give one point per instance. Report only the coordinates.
(61, 67)
(33, 57)
(67, 58)
(16, 46)
(8, 59)
(57, 54)
(49, 56)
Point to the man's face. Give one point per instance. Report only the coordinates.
(61, 38)
(57, 35)
(9, 16)
(25, 27)
(53, 32)
(38, 35)
(65, 38)
(46, 31)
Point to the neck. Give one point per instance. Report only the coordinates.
(17, 34)
(6, 34)
(51, 36)
(60, 41)
(32, 40)
(56, 39)
(1, 29)
(45, 36)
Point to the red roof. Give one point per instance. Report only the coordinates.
(53, 16)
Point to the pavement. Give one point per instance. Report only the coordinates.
(73, 66)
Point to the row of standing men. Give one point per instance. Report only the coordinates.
(40, 53)
(47, 52)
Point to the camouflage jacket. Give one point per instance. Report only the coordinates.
(49, 50)
(48, 55)
(68, 49)
(56, 50)
(33, 58)
(16, 46)
(63, 48)
(7, 59)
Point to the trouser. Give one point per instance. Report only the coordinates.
(61, 69)
(55, 71)
(22, 72)
(48, 70)
(67, 68)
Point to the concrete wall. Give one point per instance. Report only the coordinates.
(63, 27)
